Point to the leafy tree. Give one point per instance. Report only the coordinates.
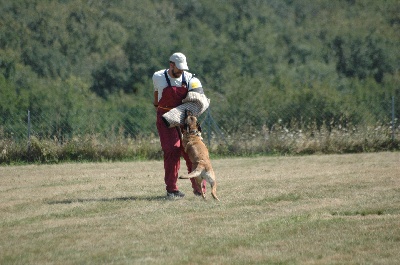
(113, 75)
(260, 61)
(362, 57)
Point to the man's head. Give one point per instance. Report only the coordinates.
(178, 64)
(179, 59)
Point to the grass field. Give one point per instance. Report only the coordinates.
(328, 209)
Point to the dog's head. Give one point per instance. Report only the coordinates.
(191, 125)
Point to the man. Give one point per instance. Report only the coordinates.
(170, 88)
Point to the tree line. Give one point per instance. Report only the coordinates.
(260, 62)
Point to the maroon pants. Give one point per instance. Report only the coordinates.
(173, 150)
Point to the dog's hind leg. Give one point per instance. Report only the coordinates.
(210, 177)
(198, 174)
(214, 191)
(199, 181)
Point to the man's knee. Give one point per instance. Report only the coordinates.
(172, 152)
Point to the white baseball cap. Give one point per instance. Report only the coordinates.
(180, 61)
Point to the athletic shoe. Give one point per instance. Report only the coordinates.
(197, 193)
(175, 195)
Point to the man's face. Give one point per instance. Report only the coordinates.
(175, 71)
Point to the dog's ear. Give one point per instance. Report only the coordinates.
(183, 128)
(186, 114)
(198, 126)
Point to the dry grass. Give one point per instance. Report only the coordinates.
(279, 140)
(329, 209)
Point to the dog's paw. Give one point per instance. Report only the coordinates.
(183, 177)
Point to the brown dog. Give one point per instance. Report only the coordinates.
(198, 154)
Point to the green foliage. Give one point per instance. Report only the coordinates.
(112, 76)
(87, 67)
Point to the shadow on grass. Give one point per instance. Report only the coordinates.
(130, 198)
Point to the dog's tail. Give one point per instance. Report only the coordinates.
(195, 173)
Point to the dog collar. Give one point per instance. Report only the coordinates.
(194, 132)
